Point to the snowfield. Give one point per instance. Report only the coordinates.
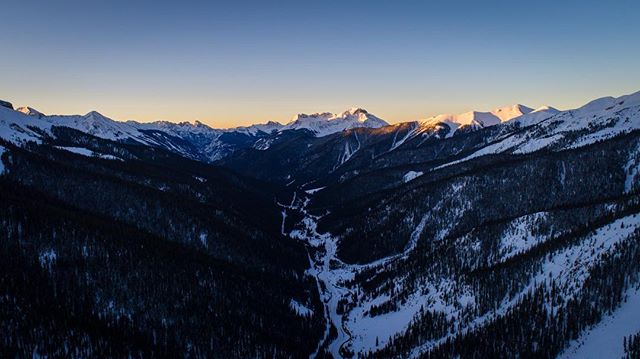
(411, 175)
(596, 121)
(360, 332)
(605, 340)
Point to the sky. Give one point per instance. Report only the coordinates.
(240, 62)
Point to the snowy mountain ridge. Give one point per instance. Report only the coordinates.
(598, 120)
(323, 124)
(478, 119)
(202, 142)
(195, 140)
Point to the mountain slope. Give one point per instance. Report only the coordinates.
(508, 233)
(340, 156)
(506, 247)
(475, 119)
(146, 245)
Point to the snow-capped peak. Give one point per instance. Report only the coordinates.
(93, 114)
(252, 130)
(30, 111)
(535, 116)
(598, 120)
(177, 129)
(610, 104)
(545, 108)
(310, 117)
(355, 111)
(326, 123)
(509, 112)
(96, 119)
(477, 119)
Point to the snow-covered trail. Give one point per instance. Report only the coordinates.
(331, 273)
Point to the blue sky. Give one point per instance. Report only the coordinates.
(240, 62)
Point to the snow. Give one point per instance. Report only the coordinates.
(264, 144)
(348, 151)
(314, 190)
(30, 111)
(203, 239)
(16, 127)
(415, 235)
(411, 175)
(477, 118)
(76, 150)
(300, 309)
(180, 129)
(87, 152)
(598, 125)
(356, 330)
(359, 331)
(367, 330)
(109, 157)
(396, 143)
(569, 268)
(269, 127)
(605, 340)
(98, 125)
(534, 117)
(517, 238)
(509, 112)
(598, 120)
(320, 124)
(28, 124)
(331, 276)
(323, 124)
(47, 258)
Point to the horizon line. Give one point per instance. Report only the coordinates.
(390, 122)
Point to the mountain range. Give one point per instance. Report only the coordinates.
(513, 232)
(201, 142)
(196, 140)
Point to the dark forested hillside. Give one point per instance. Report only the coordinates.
(297, 157)
(465, 196)
(138, 258)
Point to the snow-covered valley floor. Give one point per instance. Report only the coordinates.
(329, 272)
(356, 332)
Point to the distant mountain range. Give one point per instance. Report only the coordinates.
(196, 140)
(508, 233)
(202, 142)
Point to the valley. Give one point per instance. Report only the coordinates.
(331, 236)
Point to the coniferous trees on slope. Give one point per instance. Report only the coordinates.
(79, 283)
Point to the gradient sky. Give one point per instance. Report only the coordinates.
(241, 62)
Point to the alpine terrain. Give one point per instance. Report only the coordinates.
(507, 233)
